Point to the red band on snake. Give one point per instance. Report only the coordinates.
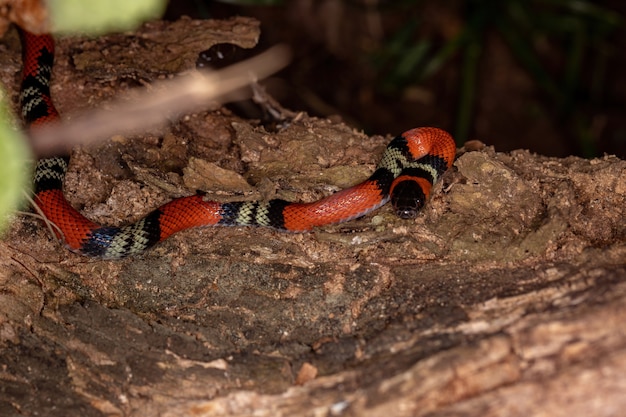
(410, 165)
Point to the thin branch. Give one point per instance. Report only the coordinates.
(166, 100)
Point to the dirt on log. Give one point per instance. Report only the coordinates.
(506, 296)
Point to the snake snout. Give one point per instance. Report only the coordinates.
(407, 213)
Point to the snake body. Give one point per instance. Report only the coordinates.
(410, 165)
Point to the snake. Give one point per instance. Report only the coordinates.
(408, 169)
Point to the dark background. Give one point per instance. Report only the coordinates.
(544, 75)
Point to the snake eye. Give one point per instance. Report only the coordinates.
(407, 198)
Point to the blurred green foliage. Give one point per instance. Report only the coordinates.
(571, 27)
(14, 172)
(101, 16)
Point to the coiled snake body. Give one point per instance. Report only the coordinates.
(410, 165)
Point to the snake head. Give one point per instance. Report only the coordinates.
(408, 198)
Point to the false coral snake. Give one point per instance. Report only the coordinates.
(409, 167)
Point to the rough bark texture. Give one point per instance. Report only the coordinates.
(507, 296)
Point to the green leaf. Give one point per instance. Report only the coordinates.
(99, 16)
(14, 157)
